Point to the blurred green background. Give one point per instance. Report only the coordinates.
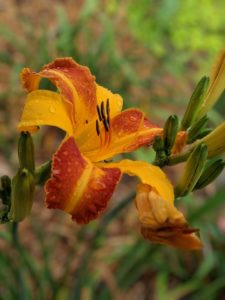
(152, 53)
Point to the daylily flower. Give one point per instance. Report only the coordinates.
(81, 184)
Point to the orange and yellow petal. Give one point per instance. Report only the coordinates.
(75, 83)
(128, 131)
(147, 173)
(77, 186)
(44, 108)
(161, 222)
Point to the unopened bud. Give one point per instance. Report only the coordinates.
(216, 87)
(23, 186)
(210, 173)
(196, 128)
(215, 141)
(193, 170)
(158, 146)
(170, 133)
(26, 151)
(195, 103)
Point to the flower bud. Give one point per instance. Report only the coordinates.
(193, 170)
(23, 186)
(210, 173)
(216, 87)
(215, 141)
(170, 133)
(195, 103)
(26, 151)
(196, 128)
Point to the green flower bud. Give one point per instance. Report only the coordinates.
(211, 172)
(193, 170)
(158, 146)
(170, 133)
(26, 152)
(216, 87)
(23, 185)
(196, 127)
(195, 103)
(215, 141)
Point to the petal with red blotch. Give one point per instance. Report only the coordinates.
(75, 83)
(98, 191)
(77, 186)
(128, 131)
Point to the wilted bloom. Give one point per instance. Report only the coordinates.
(161, 222)
(216, 87)
(96, 129)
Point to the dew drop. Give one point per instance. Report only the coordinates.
(97, 185)
(52, 109)
(56, 172)
(120, 133)
(133, 118)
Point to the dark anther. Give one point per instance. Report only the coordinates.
(106, 124)
(99, 113)
(108, 120)
(97, 128)
(107, 107)
(86, 121)
(102, 110)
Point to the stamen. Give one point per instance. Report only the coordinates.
(102, 110)
(107, 107)
(108, 111)
(97, 128)
(106, 124)
(99, 113)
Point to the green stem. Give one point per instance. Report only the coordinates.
(42, 173)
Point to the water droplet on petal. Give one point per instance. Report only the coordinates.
(133, 118)
(97, 185)
(56, 172)
(52, 109)
(120, 132)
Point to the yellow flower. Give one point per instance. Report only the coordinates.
(96, 129)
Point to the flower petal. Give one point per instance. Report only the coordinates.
(44, 108)
(77, 186)
(161, 222)
(75, 83)
(115, 100)
(148, 174)
(128, 131)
